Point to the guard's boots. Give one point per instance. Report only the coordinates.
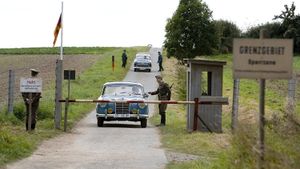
(163, 119)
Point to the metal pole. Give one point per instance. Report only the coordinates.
(61, 33)
(261, 135)
(67, 102)
(195, 127)
(235, 105)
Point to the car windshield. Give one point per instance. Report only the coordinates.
(140, 57)
(124, 90)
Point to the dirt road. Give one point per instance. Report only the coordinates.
(117, 145)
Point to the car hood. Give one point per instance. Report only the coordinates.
(120, 98)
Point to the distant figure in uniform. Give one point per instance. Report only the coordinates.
(34, 103)
(159, 61)
(124, 59)
(164, 93)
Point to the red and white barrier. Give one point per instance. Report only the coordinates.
(201, 100)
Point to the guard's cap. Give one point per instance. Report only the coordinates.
(158, 77)
(34, 70)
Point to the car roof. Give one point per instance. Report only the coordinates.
(142, 54)
(122, 83)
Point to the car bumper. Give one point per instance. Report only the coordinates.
(134, 117)
(142, 68)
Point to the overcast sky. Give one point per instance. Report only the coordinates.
(30, 23)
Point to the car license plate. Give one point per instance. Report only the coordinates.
(122, 115)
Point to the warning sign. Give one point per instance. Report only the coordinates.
(262, 58)
(31, 85)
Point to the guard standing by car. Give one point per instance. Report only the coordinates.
(124, 59)
(159, 61)
(164, 93)
(33, 99)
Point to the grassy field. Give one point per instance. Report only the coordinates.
(15, 143)
(226, 150)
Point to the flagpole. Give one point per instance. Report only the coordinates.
(58, 74)
(61, 31)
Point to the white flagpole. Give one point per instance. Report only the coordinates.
(58, 74)
(61, 31)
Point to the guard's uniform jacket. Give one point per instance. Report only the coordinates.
(164, 93)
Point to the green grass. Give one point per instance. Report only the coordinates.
(15, 143)
(56, 50)
(234, 151)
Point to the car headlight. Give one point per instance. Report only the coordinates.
(142, 105)
(109, 110)
(134, 111)
(102, 104)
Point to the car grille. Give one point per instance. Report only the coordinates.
(122, 108)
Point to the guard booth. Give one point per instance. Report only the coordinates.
(205, 81)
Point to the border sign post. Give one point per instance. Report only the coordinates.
(262, 59)
(68, 75)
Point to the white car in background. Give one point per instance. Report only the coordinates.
(142, 61)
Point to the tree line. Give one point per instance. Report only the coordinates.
(192, 31)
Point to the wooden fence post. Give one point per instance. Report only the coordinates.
(11, 87)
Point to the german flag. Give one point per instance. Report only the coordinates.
(57, 28)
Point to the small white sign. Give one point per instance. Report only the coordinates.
(263, 58)
(30, 85)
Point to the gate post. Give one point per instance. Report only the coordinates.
(195, 126)
(11, 87)
(58, 93)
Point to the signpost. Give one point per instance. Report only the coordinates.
(68, 75)
(262, 59)
(30, 85)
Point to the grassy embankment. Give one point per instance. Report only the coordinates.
(240, 150)
(15, 143)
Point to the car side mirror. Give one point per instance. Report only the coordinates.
(145, 95)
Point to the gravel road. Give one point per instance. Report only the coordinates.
(117, 145)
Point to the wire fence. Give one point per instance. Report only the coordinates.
(20, 65)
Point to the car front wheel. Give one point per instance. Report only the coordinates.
(100, 122)
(143, 123)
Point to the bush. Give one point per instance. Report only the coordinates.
(20, 111)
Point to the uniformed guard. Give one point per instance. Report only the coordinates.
(164, 93)
(34, 100)
(160, 61)
(124, 58)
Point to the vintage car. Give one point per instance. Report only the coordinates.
(119, 103)
(142, 61)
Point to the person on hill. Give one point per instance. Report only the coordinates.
(124, 59)
(160, 61)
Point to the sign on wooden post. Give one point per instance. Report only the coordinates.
(31, 85)
(262, 58)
